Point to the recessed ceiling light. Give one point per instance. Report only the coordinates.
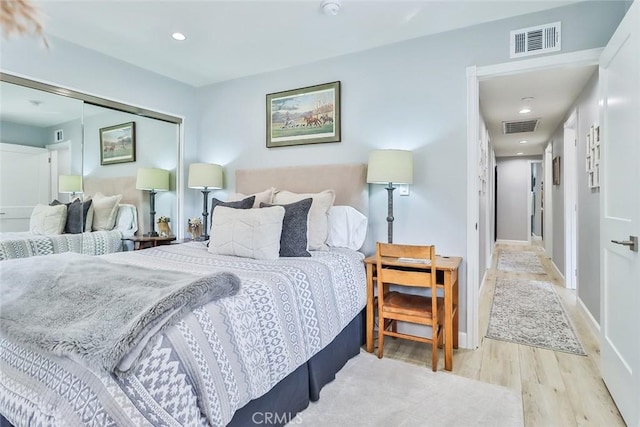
(524, 141)
(178, 36)
(520, 153)
(526, 105)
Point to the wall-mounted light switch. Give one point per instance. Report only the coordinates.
(403, 189)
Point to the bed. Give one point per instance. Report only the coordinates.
(27, 244)
(253, 358)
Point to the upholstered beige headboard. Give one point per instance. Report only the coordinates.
(125, 185)
(349, 181)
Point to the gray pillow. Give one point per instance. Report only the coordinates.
(293, 240)
(240, 204)
(76, 215)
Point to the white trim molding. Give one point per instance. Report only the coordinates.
(511, 242)
(593, 323)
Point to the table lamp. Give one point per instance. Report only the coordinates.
(153, 180)
(205, 176)
(70, 184)
(389, 167)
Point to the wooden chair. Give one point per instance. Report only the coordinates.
(394, 306)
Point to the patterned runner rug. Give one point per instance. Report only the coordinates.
(524, 262)
(529, 312)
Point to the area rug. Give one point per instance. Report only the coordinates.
(524, 262)
(529, 312)
(384, 392)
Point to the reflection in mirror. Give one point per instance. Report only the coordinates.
(40, 140)
(108, 163)
(55, 149)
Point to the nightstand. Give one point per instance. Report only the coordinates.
(144, 242)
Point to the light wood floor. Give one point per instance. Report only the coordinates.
(558, 389)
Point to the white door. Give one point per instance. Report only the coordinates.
(620, 215)
(27, 171)
(547, 199)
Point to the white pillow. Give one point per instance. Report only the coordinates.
(105, 209)
(265, 196)
(318, 229)
(347, 228)
(127, 220)
(248, 233)
(48, 219)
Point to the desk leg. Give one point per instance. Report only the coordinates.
(370, 308)
(448, 322)
(456, 314)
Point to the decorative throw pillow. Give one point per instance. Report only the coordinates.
(265, 196)
(238, 204)
(77, 213)
(248, 233)
(48, 219)
(347, 228)
(105, 209)
(318, 215)
(293, 240)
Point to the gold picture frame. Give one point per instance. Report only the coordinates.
(309, 115)
(118, 144)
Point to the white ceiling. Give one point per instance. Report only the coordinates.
(554, 91)
(231, 39)
(32, 107)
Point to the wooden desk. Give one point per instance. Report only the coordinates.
(446, 278)
(144, 242)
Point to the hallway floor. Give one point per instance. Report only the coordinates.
(558, 389)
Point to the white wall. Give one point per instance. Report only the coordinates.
(514, 185)
(409, 95)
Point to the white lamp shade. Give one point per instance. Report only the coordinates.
(205, 175)
(70, 184)
(152, 179)
(395, 166)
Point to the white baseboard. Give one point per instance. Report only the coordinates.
(462, 340)
(484, 279)
(511, 242)
(593, 323)
(558, 272)
(537, 238)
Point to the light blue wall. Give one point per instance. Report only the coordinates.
(20, 134)
(409, 95)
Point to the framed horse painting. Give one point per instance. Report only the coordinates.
(118, 144)
(309, 115)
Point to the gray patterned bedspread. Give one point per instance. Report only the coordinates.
(200, 370)
(25, 244)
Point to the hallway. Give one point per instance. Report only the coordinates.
(558, 389)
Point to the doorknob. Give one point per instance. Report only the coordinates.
(632, 243)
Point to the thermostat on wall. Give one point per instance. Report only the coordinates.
(58, 136)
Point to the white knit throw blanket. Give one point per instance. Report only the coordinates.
(96, 311)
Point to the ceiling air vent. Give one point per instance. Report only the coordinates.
(519, 126)
(535, 40)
